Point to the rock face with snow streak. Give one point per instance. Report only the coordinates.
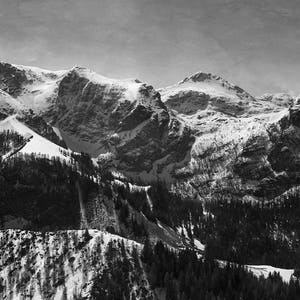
(96, 115)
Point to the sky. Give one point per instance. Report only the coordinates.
(252, 43)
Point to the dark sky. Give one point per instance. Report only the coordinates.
(253, 43)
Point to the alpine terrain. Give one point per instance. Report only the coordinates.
(111, 189)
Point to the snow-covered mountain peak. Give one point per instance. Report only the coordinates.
(201, 76)
(91, 75)
(129, 89)
(205, 91)
(214, 85)
(94, 76)
(36, 73)
(210, 78)
(37, 89)
(86, 109)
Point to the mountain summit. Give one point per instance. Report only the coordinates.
(98, 115)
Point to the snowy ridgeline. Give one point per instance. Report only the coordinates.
(61, 265)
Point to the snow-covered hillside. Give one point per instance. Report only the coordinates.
(60, 265)
(35, 143)
(208, 83)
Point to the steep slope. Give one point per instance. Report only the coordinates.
(35, 143)
(98, 115)
(205, 91)
(237, 136)
(33, 88)
(67, 264)
(9, 105)
(22, 94)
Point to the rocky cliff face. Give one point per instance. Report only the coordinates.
(12, 79)
(98, 115)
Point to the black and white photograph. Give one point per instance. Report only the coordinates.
(149, 150)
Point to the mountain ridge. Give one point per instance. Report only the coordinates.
(202, 166)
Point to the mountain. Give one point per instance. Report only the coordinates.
(111, 189)
(208, 93)
(97, 115)
(240, 140)
(203, 91)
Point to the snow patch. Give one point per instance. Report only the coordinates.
(264, 270)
